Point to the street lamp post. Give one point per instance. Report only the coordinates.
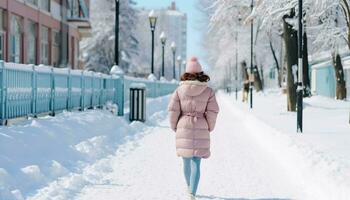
(173, 49)
(251, 58)
(179, 62)
(163, 41)
(183, 65)
(116, 42)
(153, 22)
(300, 71)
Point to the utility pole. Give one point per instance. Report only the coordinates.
(116, 42)
(153, 21)
(163, 41)
(251, 58)
(173, 49)
(300, 71)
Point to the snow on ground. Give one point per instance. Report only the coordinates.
(148, 168)
(319, 158)
(40, 151)
(248, 162)
(256, 154)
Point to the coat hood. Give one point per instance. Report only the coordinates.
(192, 88)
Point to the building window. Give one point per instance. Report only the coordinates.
(34, 2)
(32, 43)
(15, 39)
(56, 48)
(74, 8)
(45, 5)
(44, 41)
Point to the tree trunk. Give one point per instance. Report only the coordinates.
(340, 92)
(262, 77)
(291, 44)
(346, 9)
(306, 74)
(245, 78)
(257, 80)
(277, 64)
(257, 77)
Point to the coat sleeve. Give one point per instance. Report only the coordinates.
(174, 109)
(212, 111)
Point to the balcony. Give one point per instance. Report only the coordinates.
(78, 15)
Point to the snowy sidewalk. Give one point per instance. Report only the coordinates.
(249, 162)
(148, 169)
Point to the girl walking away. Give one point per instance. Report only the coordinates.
(193, 110)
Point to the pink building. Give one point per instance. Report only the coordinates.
(43, 31)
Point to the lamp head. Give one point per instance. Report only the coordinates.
(239, 18)
(173, 46)
(152, 20)
(179, 59)
(163, 38)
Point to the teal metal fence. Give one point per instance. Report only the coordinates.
(153, 88)
(28, 90)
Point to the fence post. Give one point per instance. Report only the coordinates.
(92, 90)
(2, 94)
(69, 88)
(101, 87)
(82, 93)
(121, 95)
(52, 103)
(117, 71)
(34, 91)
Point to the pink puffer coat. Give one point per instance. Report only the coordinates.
(193, 110)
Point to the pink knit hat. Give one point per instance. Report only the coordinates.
(193, 66)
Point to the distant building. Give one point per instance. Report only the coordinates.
(174, 24)
(43, 31)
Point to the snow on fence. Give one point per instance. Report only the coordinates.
(28, 90)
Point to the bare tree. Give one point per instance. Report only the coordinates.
(291, 43)
(245, 78)
(273, 51)
(339, 74)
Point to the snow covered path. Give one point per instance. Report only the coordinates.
(147, 168)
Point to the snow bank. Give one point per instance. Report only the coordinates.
(52, 151)
(318, 158)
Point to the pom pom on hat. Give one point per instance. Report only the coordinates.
(193, 66)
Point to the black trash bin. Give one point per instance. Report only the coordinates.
(137, 102)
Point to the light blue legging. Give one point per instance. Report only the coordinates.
(192, 173)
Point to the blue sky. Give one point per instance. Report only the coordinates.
(193, 15)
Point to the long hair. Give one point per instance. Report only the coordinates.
(195, 77)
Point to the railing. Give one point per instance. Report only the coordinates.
(153, 88)
(28, 90)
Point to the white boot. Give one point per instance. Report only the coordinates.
(192, 197)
